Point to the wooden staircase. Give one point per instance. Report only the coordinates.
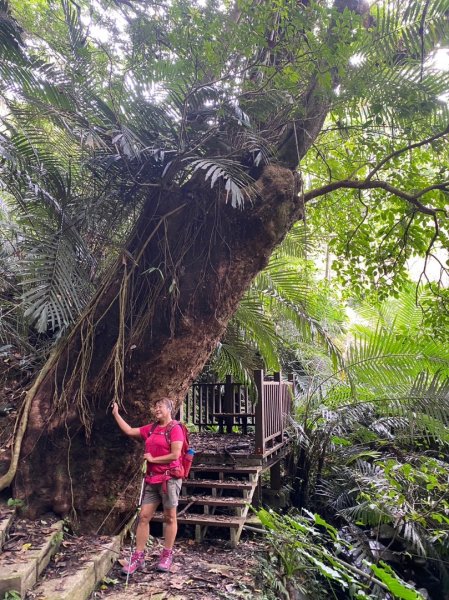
(217, 496)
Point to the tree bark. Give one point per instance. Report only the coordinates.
(147, 333)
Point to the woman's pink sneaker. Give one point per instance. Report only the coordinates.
(165, 560)
(137, 562)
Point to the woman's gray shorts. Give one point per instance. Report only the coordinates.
(153, 493)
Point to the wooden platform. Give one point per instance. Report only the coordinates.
(257, 412)
(236, 450)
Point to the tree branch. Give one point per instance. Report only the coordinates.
(429, 249)
(366, 184)
(301, 131)
(404, 149)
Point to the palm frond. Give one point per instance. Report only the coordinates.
(256, 326)
(367, 513)
(230, 172)
(401, 315)
(235, 355)
(299, 243)
(400, 85)
(53, 273)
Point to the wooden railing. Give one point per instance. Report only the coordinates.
(263, 408)
(272, 411)
(206, 401)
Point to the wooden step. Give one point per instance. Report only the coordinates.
(222, 485)
(230, 522)
(213, 501)
(224, 469)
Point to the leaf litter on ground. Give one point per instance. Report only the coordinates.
(206, 571)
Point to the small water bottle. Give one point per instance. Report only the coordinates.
(187, 462)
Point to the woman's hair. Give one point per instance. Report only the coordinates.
(168, 403)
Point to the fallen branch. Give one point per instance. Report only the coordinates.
(255, 529)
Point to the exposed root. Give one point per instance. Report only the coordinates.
(75, 388)
(22, 421)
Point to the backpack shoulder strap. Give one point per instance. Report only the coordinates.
(169, 429)
(153, 427)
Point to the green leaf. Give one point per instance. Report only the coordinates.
(396, 586)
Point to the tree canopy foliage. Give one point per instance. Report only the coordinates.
(104, 100)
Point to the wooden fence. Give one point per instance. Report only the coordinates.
(262, 408)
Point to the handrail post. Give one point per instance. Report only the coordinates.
(229, 402)
(278, 408)
(259, 419)
(291, 391)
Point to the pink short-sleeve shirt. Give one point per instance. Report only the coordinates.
(156, 444)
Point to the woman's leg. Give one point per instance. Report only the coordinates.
(170, 503)
(137, 559)
(171, 527)
(143, 526)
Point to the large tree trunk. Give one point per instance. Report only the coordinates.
(147, 333)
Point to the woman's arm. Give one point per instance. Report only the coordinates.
(133, 432)
(175, 453)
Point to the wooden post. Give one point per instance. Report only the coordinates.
(276, 411)
(200, 406)
(259, 414)
(199, 534)
(229, 402)
(291, 379)
(194, 406)
(257, 496)
(206, 387)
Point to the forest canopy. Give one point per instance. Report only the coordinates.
(119, 97)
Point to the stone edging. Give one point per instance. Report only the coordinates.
(6, 523)
(20, 577)
(81, 584)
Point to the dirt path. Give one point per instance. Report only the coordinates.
(207, 571)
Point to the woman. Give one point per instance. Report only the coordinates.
(162, 452)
